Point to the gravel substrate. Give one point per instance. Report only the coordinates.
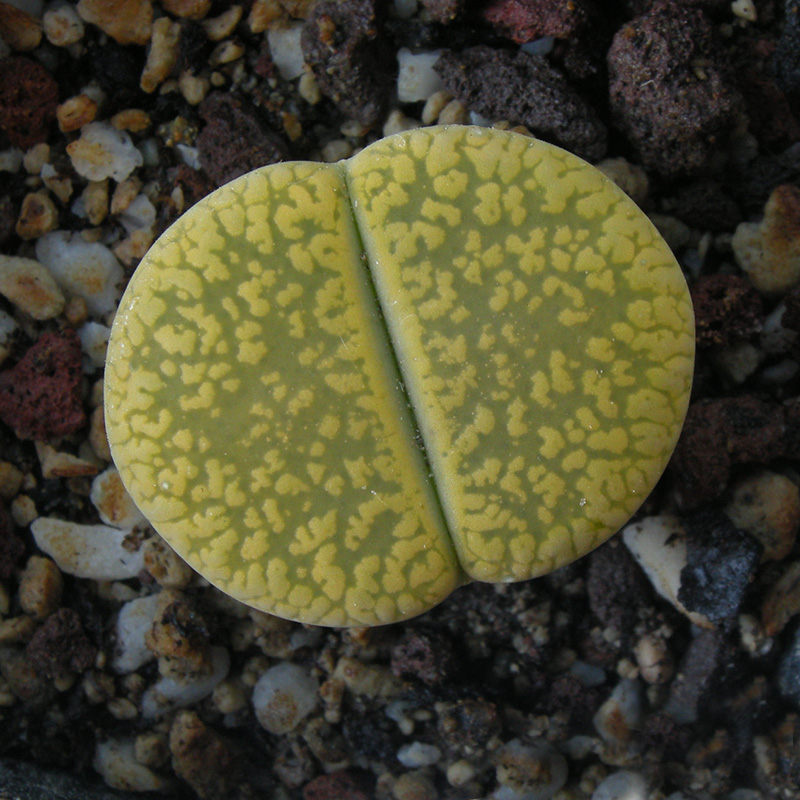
(666, 664)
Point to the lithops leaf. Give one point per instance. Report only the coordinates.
(336, 389)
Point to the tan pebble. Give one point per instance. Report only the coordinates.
(230, 696)
(17, 629)
(453, 114)
(397, 122)
(55, 464)
(152, 749)
(62, 26)
(134, 246)
(767, 506)
(134, 120)
(10, 480)
(434, 106)
(98, 687)
(414, 786)
(37, 216)
(187, 9)
(654, 659)
(218, 28)
(18, 29)
(336, 150)
(23, 510)
(308, 88)
(97, 434)
(125, 194)
(167, 568)
(60, 185)
(40, 587)
(36, 157)
(782, 600)
(371, 680)
(75, 311)
(95, 201)
(193, 88)
(75, 112)
(262, 14)
(122, 709)
(125, 21)
(225, 53)
(30, 287)
(162, 55)
(769, 251)
(631, 178)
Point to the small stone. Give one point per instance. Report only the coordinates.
(659, 546)
(534, 771)
(94, 342)
(112, 501)
(125, 21)
(620, 716)
(86, 269)
(179, 632)
(769, 251)
(454, 113)
(222, 26)
(28, 100)
(620, 785)
(209, 763)
(75, 112)
(165, 566)
(97, 552)
(418, 754)
(40, 397)
(30, 287)
(62, 25)
(721, 562)
(434, 106)
(56, 464)
(727, 309)
(654, 659)
(193, 88)
(162, 55)
(104, 152)
(37, 216)
(468, 725)
(60, 646)
(134, 620)
(414, 786)
(115, 761)
(11, 480)
(226, 53)
(416, 78)
(40, 587)
(97, 434)
(369, 680)
(187, 9)
(59, 183)
(767, 506)
(134, 120)
(18, 29)
(284, 695)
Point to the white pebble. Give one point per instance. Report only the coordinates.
(94, 341)
(284, 695)
(10, 160)
(659, 546)
(62, 25)
(86, 269)
(134, 620)
(284, 47)
(745, 9)
(416, 78)
(141, 213)
(620, 716)
(622, 785)
(104, 152)
(418, 754)
(97, 552)
(539, 47)
(115, 760)
(113, 503)
(171, 693)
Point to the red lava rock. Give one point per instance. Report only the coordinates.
(236, 139)
(40, 397)
(727, 309)
(336, 786)
(345, 47)
(525, 90)
(28, 100)
(60, 646)
(704, 204)
(526, 20)
(11, 546)
(673, 111)
(718, 434)
(612, 579)
(425, 655)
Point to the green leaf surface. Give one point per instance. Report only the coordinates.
(340, 391)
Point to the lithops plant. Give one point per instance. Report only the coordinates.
(342, 390)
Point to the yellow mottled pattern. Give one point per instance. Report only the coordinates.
(340, 390)
(544, 333)
(256, 416)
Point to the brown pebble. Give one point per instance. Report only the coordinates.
(40, 587)
(18, 29)
(37, 216)
(75, 112)
(60, 646)
(28, 100)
